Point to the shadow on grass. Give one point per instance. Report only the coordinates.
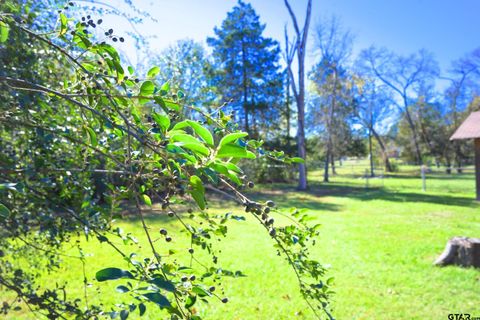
(361, 193)
(433, 176)
(286, 196)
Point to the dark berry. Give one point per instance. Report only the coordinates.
(192, 277)
(171, 213)
(211, 289)
(270, 203)
(168, 239)
(114, 39)
(225, 300)
(272, 232)
(163, 231)
(122, 39)
(99, 21)
(251, 184)
(191, 251)
(184, 279)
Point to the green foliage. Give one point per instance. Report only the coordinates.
(4, 31)
(247, 70)
(86, 145)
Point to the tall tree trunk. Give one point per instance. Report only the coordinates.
(287, 111)
(372, 172)
(419, 160)
(332, 163)
(300, 46)
(245, 88)
(388, 166)
(326, 163)
(302, 152)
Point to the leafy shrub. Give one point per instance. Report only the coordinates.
(82, 138)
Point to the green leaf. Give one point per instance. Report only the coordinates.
(122, 289)
(176, 149)
(142, 308)
(158, 298)
(63, 24)
(4, 30)
(297, 160)
(172, 105)
(81, 40)
(234, 178)
(124, 314)
(165, 88)
(190, 301)
(234, 151)
(92, 136)
(162, 121)
(131, 70)
(180, 125)
(232, 137)
(119, 70)
(202, 132)
(187, 141)
(164, 284)
(4, 212)
(201, 291)
(198, 149)
(146, 90)
(147, 200)
(219, 167)
(184, 137)
(198, 191)
(161, 103)
(153, 72)
(112, 274)
(232, 167)
(9, 186)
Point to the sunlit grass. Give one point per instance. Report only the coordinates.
(380, 242)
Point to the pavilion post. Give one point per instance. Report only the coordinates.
(470, 129)
(477, 166)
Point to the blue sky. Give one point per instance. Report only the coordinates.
(448, 28)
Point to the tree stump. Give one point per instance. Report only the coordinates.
(461, 251)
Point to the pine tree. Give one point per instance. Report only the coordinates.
(248, 70)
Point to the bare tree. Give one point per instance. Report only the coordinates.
(461, 77)
(403, 75)
(330, 80)
(373, 106)
(287, 87)
(299, 48)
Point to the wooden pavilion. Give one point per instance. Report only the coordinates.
(470, 129)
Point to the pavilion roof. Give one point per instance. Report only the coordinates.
(469, 129)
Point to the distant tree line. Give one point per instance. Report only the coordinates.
(379, 104)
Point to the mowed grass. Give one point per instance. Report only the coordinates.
(379, 242)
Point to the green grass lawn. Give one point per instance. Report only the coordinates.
(379, 242)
